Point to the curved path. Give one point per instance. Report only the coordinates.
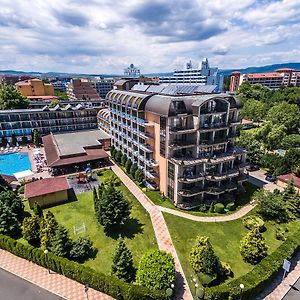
(236, 215)
(161, 231)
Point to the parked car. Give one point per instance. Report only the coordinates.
(270, 178)
(251, 168)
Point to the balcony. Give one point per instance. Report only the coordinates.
(151, 174)
(215, 190)
(146, 148)
(213, 142)
(181, 130)
(213, 126)
(206, 111)
(191, 178)
(224, 175)
(189, 204)
(191, 192)
(181, 144)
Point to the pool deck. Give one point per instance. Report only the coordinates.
(29, 151)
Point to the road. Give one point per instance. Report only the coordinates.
(16, 288)
(294, 293)
(258, 178)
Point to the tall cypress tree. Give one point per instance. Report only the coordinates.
(48, 229)
(122, 266)
(9, 223)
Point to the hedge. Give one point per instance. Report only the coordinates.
(107, 284)
(260, 276)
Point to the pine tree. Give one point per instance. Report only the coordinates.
(114, 210)
(253, 247)
(294, 205)
(289, 191)
(9, 223)
(122, 266)
(31, 229)
(14, 202)
(61, 243)
(48, 229)
(203, 258)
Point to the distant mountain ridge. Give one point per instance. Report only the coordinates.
(225, 72)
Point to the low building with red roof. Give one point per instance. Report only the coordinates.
(47, 192)
(283, 181)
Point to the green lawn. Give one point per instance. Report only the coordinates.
(139, 231)
(244, 199)
(225, 238)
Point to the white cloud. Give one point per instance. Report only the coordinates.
(103, 36)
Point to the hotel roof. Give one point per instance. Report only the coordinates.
(45, 186)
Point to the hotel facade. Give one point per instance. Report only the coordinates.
(21, 122)
(271, 80)
(183, 143)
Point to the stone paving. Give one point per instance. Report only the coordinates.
(282, 289)
(161, 231)
(236, 215)
(54, 283)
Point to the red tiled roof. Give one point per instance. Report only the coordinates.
(46, 186)
(290, 177)
(54, 160)
(8, 178)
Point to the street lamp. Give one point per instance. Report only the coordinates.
(46, 252)
(241, 290)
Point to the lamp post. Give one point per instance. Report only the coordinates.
(46, 252)
(241, 290)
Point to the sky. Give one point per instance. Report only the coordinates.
(105, 36)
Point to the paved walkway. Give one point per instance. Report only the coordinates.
(54, 283)
(236, 215)
(161, 231)
(283, 288)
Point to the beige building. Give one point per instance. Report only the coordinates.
(34, 87)
(283, 181)
(183, 143)
(47, 192)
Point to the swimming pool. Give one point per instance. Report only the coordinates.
(11, 163)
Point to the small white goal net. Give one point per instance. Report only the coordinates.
(79, 228)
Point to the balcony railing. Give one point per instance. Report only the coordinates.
(181, 129)
(181, 144)
(192, 178)
(210, 126)
(191, 192)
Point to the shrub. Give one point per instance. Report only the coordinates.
(139, 175)
(203, 258)
(118, 157)
(21, 189)
(230, 206)
(156, 270)
(225, 270)
(128, 165)
(211, 208)
(219, 208)
(252, 222)
(106, 284)
(280, 233)
(133, 169)
(253, 247)
(203, 208)
(260, 277)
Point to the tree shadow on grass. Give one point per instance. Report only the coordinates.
(129, 229)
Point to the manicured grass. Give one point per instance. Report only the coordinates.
(243, 199)
(138, 232)
(225, 238)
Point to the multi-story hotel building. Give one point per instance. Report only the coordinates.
(34, 87)
(183, 143)
(196, 76)
(81, 89)
(21, 122)
(102, 86)
(271, 80)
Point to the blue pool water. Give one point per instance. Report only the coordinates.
(11, 163)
